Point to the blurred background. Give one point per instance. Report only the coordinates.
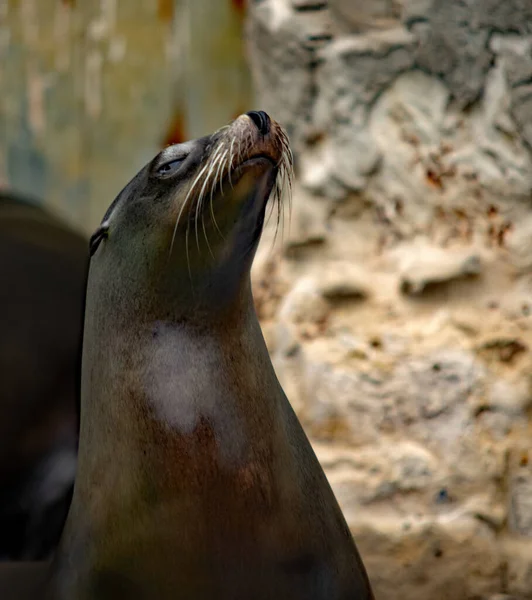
(398, 305)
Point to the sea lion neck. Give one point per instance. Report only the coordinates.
(136, 301)
(150, 365)
(174, 401)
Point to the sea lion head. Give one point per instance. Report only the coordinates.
(189, 222)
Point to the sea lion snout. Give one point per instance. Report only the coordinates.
(261, 120)
(255, 134)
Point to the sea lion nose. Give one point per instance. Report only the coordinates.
(261, 120)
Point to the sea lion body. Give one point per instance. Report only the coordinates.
(43, 271)
(195, 479)
(24, 580)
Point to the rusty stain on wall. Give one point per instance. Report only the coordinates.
(239, 6)
(176, 132)
(166, 10)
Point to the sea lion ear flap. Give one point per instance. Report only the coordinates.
(101, 233)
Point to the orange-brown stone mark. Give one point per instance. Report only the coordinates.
(70, 3)
(434, 179)
(505, 229)
(239, 6)
(166, 10)
(176, 132)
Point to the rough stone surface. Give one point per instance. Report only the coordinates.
(398, 308)
(436, 266)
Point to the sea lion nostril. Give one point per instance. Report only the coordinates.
(261, 120)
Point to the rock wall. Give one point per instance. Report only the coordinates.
(398, 307)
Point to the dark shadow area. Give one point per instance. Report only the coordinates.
(43, 271)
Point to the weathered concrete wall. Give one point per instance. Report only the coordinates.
(91, 90)
(400, 315)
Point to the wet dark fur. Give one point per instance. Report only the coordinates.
(43, 269)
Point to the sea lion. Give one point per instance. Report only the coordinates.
(43, 271)
(24, 580)
(195, 479)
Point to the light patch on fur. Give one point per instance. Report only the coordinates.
(184, 383)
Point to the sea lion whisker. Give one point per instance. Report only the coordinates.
(218, 173)
(213, 187)
(216, 162)
(287, 158)
(287, 189)
(276, 205)
(250, 143)
(288, 173)
(217, 154)
(222, 129)
(281, 210)
(231, 162)
(215, 221)
(220, 159)
(282, 185)
(272, 246)
(191, 189)
(286, 142)
(222, 171)
(199, 203)
(227, 168)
